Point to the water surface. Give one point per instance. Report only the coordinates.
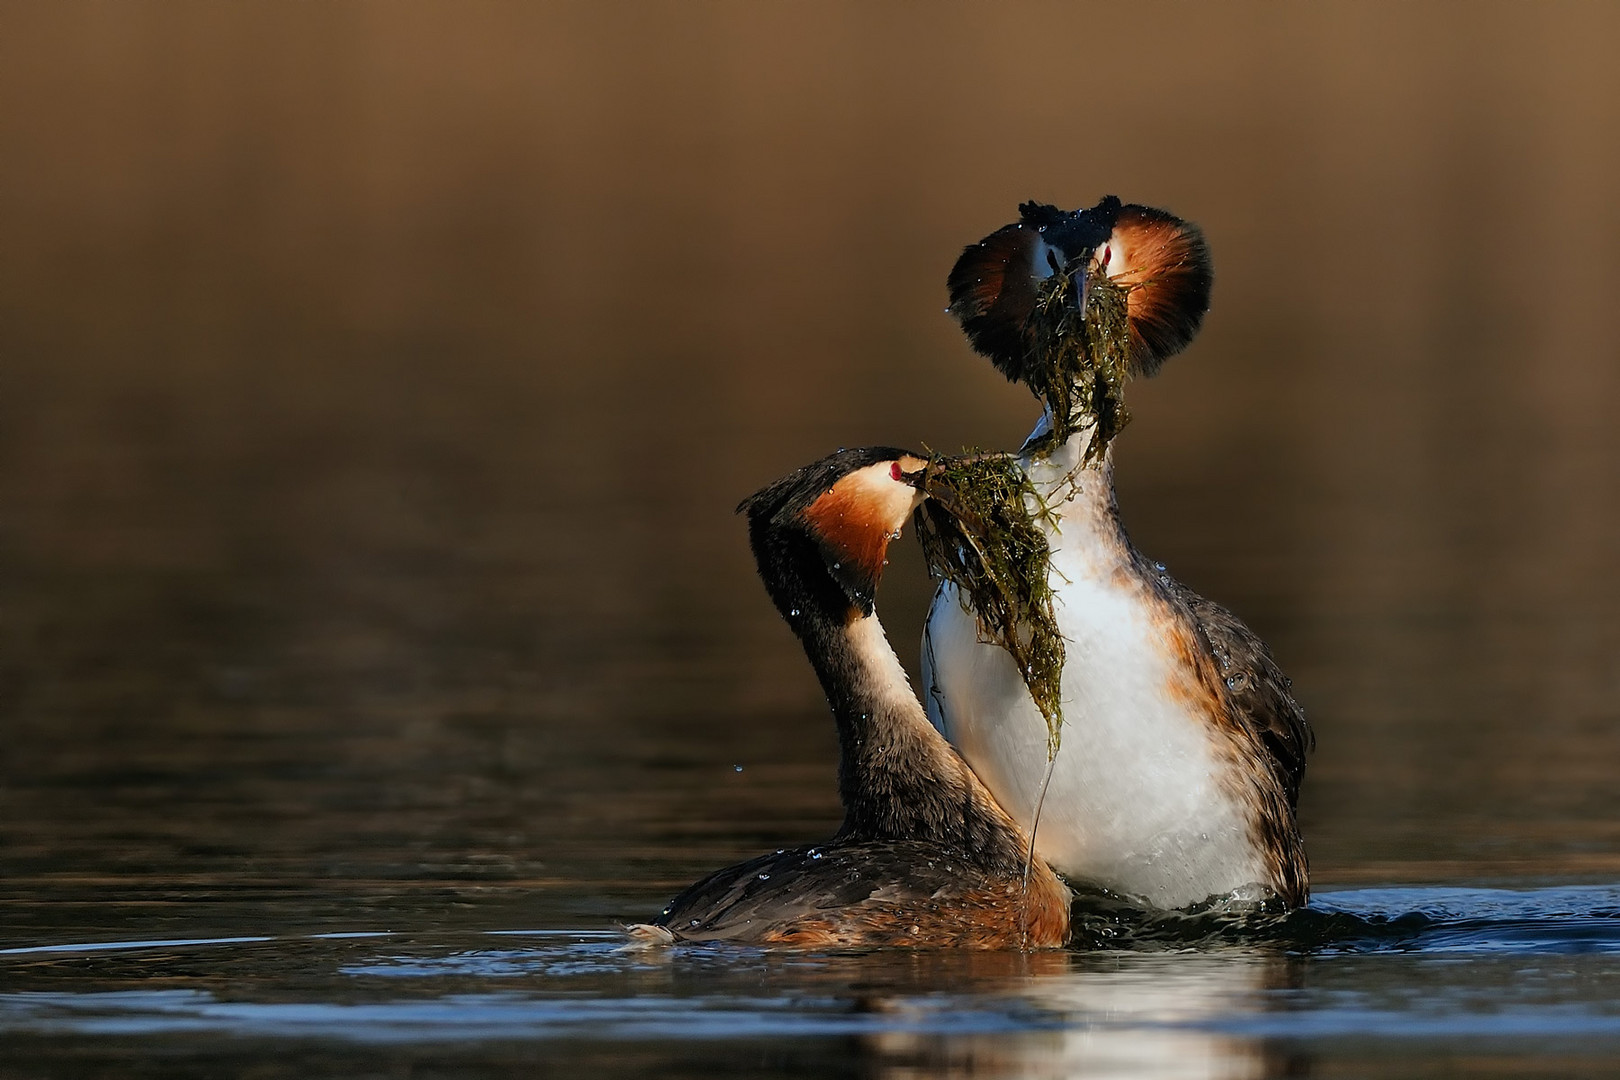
(376, 385)
(1363, 976)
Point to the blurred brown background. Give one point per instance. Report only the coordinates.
(377, 381)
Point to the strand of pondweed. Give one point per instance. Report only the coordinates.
(1080, 357)
(979, 530)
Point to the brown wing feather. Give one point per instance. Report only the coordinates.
(1253, 697)
(1250, 680)
(749, 900)
(870, 893)
(1258, 691)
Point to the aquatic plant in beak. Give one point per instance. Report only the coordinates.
(1071, 304)
(1079, 358)
(1178, 778)
(981, 527)
(979, 531)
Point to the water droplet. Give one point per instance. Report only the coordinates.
(793, 613)
(1158, 566)
(838, 565)
(815, 853)
(694, 922)
(764, 877)
(736, 768)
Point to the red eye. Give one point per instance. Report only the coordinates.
(894, 472)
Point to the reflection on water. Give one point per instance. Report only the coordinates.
(379, 380)
(1381, 971)
(1124, 1017)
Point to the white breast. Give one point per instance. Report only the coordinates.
(1136, 802)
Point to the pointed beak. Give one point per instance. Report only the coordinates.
(1082, 290)
(1082, 271)
(912, 470)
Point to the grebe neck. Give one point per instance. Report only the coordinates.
(1078, 494)
(897, 777)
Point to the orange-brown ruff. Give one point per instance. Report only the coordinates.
(1162, 259)
(925, 857)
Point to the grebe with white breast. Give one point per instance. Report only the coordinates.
(1182, 749)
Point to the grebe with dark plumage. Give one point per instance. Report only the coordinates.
(1182, 747)
(925, 856)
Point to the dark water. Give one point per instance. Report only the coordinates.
(376, 382)
(1404, 981)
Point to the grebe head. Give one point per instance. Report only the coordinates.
(995, 282)
(821, 533)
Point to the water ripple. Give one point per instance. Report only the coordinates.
(1382, 964)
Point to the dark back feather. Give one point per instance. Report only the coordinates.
(746, 901)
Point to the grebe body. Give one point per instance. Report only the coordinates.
(925, 856)
(1181, 749)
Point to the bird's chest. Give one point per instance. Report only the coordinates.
(1133, 711)
(1140, 796)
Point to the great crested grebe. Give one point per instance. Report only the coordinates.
(925, 856)
(1182, 749)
